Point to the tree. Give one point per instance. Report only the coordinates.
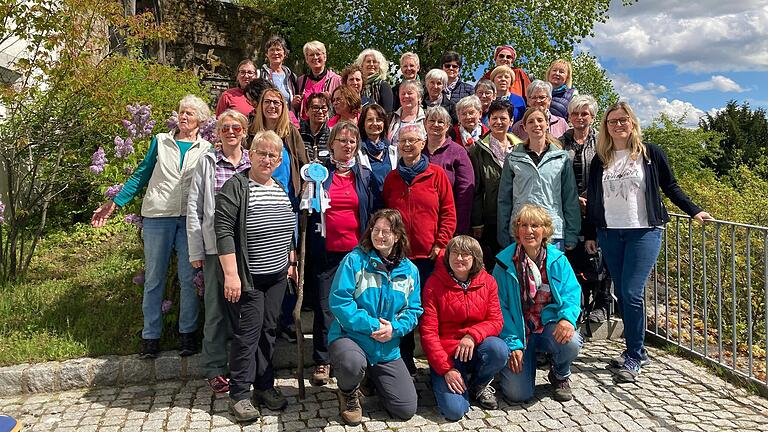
(744, 138)
(687, 149)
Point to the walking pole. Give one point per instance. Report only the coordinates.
(299, 301)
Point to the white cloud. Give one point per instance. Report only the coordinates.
(648, 101)
(701, 36)
(717, 82)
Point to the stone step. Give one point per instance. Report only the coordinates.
(612, 329)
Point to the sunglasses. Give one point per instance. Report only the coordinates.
(450, 66)
(236, 128)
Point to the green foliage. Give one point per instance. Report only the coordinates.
(744, 137)
(686, 148)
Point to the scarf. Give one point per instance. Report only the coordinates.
(410, 173)
(389, 263)
(344, 166)
(469, 138)
(528, 273)
(372, 87)
(375, 148)
(499, 154)
(560, 89)
(318, 77)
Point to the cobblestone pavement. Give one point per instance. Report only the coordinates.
(672, 394)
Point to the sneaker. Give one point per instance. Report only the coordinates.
(618, 362)
(321, 375)
(628, 372)
(149, 348)
(562, 388)
(271, 398)
(188, 345)
(350, 407)
(486, 397)
(598, 315)
(219, 384)
(244, 411)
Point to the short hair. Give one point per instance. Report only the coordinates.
(277, 40)
(246, 62)
(383, 63)
(539, 85)
(438, 112)
(319, 95)
(416, 85)
(314, 46)
(549, 137)
(580, 101)
(532, 213)
(413, 127)
(450, 56)
(436, 74)
(487, 84)
(269, 137)
(350, 96)
(202, 111)
(502, 105)
(349, 70)
(465, 244)
(380, 113)
(283, 127)
(412, 55)
(402, 247)
(255, 88)
(234, 114)
(344, 125)
(470, 101)
(498, 70)
(568, 68)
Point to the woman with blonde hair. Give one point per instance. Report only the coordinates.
(626, 208)
(560, 75)
(375, 70)
(504, 78)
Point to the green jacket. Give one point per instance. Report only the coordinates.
(551, 185)
(487, 175)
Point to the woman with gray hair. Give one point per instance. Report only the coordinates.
(485, 90)
(470, 129)
(319, 79)
(275, 71)
(375, 69)
(166, 171)
(410, 111)
(540, 96)
(409, 68)
(435, 82)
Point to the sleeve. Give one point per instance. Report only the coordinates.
(139, 179)
(463, 192)
(227, 207)
(478, 194)
(386, 100)
(195, 212)
(446, 217)
(590, 229)
(341, 300)
(408, 318)
(508, 332)
(570, 205)
(494, 320)
(429, 327)
(504, 208)
(669, 185)
(222, 104)
(570, 294)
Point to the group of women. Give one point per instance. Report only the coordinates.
(424, 204)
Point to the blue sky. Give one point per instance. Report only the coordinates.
(685, 57)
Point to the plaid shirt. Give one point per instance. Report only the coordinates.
(225, 170)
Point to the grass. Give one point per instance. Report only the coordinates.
(78, 298)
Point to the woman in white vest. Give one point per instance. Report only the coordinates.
(166, 172)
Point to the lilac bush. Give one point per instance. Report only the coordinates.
(135, 220)
(166, 306)
(140, 124)
(113, 190)
(199, 283)
(123, 147)
(98, 160)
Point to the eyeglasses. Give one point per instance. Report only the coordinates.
(346, 141)
(485, 93)
(538, 98)
(409, 141)
(619, 121)
(382, 232)
(236, 128)
(505, 56)
(318, 108)
(246, 72)
(581, 114)
(531, 226)
(272, 102)
(260, 154)
(450, 66)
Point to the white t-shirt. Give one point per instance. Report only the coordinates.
(624, 192)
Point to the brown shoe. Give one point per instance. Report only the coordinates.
(321, 375)
(350, 407)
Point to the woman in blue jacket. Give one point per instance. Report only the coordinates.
(375, 299)
(540, 300)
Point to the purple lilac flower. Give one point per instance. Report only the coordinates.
(128, 170)
(140, 124)
(172, 121)
(113, 190)
(138, 279)
(199, 283)
(166, 306)
(208, 130)
(98, 160)
(2, 213)
(123, 148)
(135, 220)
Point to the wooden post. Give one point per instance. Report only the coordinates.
(299, 301)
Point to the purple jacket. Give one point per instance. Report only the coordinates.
(454, 160)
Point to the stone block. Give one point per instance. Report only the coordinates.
(11, 379)
(75, 374)
(168, 366)
(192, 366)
(105, 371)
(612, 329)
(42, 377)
(136, 370)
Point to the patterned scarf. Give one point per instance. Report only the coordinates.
(499, 154)
(344, 166)
(371, 88)
(469, 138)
(528, 272)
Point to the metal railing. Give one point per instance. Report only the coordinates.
(708, 294)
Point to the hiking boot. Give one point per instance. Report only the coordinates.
(321, 375)
(628, 372)
(561, 388)
(271, 398)
(350, 407)
(188, 345)
(149, 348)
(618, 362)
(486, 397)
(598, 315)
(219, 384)
(244, 411)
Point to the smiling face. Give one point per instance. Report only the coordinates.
(188, 121)
(437, 129)
(316, 60)
(469, 118)
(272, 105)
(318, 111)
(530, 234)
(370, 65)
(460, 263)
(434, 88)
(540, 99)
(451, 68)
(486, 96)
(409, 68)
(410, 145)
(504, 58)
(382, 237)
(536, 125)
(558, 74)
(581, 118)
(355, 80)
(231, 132)
(619, 126)
(344, 146)
(276, 55)
(245, 74)
(409, 97)
(500, 122)
(502, 81)
(374, 125)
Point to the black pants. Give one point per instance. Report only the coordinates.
(490, 244)
(254, 322)
(323, 270)
(407, 342)
(593, 277)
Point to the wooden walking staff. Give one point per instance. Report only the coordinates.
(299, 301)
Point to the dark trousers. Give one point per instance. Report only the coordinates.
(593, 276)
(490, 244)
(254, 322)
(407, 342)
(323, 270)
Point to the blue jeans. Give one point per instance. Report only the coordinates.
(489, 358)
(519, 387)
(161, 236)
(630, 255)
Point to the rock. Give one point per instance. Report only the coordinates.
(11, 379)
(136, 370)
(42, 377)
(75, 374)
(105, 370)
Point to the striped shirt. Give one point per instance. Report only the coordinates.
(269, 227)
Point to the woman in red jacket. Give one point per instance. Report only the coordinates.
(460, 327)
(422, 193)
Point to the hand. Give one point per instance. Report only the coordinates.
(296, 100)
(232, 288)
(455, 382)
(516, 361)
(702, 216)
(384, 333)
(465, 349)
(435, 252)
(583, 205)
(101, 214)
(197, 263)
(590, 246)
(293, 273)
(563, 331)
(477, 233)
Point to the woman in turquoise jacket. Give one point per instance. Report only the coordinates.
(540, 315)
(375, 299)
